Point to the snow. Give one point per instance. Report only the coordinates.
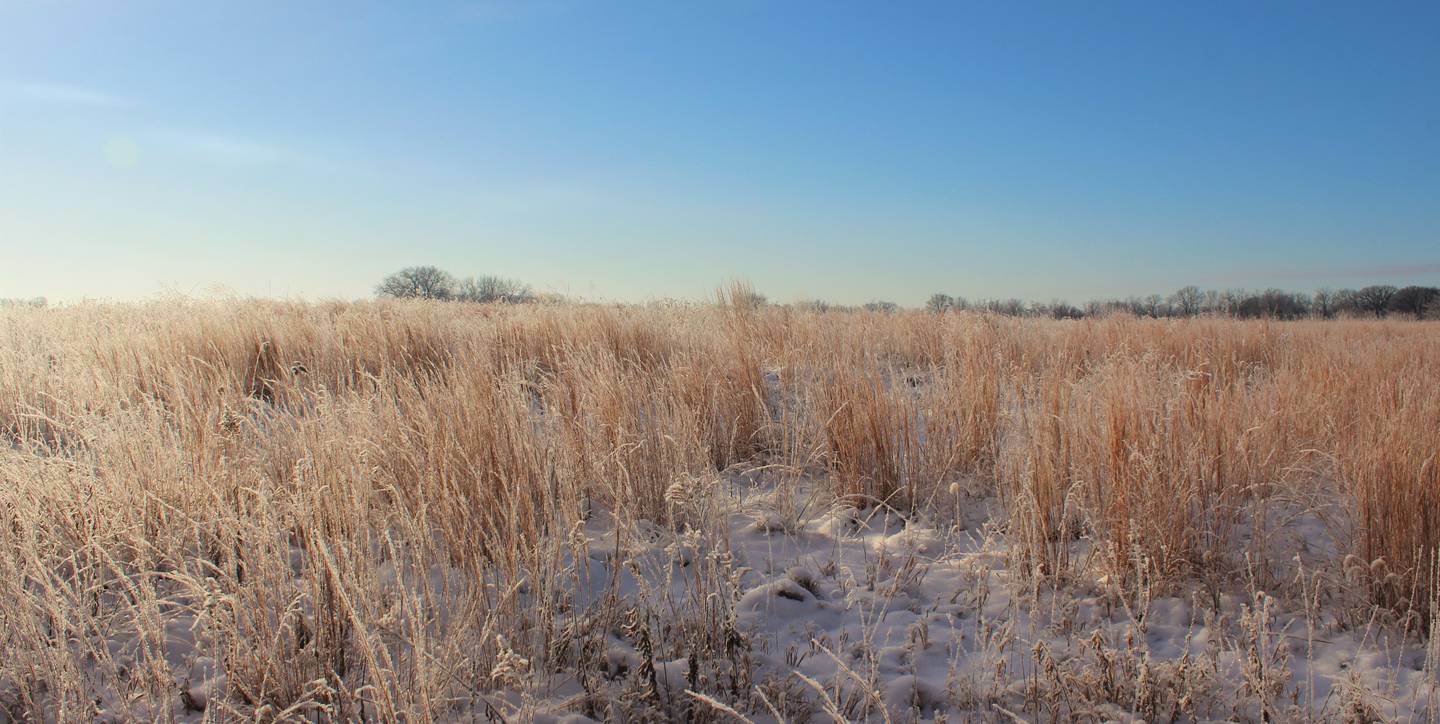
(918, 620)
(868, 613)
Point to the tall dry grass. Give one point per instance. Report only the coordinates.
(360, 510)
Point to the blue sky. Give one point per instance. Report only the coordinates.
(636, 150)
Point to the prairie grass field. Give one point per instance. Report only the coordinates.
(425, 511)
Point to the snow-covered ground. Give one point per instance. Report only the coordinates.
(772, 601)
(846, 613)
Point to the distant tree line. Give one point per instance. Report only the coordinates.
(1380, 300)
(1418, 302)
(16, 302)
(429, 282)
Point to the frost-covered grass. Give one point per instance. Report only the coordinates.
(250, 510)
(871, 613)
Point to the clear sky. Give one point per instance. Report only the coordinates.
(634, 150)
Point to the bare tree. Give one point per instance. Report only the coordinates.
(940, 303)
(1230, 300)
(1273, 304)
(1375, 299)
(1061, 309)
(1012, 307)
(490, 288)
(1345, 302)
(1212, 302)
(417, 282)
(1323, 303)
(1186, 301)
(1414, 300)
(882, 306)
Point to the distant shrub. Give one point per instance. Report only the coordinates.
(488, 288)
(813, 305)
(429, 282)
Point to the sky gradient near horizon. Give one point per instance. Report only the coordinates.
(640, 150)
